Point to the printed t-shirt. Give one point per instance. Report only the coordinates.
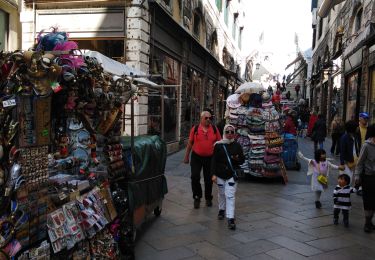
(203, 142)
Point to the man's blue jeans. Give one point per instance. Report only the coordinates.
(321, 145)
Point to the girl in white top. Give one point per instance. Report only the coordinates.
(316, 167)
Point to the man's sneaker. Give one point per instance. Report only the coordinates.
(231, 224)
(220, 216)
(335, 221)
(209, 203)
(318, 205)
(197, 203)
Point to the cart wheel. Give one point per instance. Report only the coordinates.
(298, 166)
(157, 211)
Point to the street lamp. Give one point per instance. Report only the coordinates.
(257, 66)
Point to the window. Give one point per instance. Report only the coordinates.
(358, 20)
(226, 12)
(197, 26)
(219, 5)
(4, 30)
(234, 26)
(320, 27)
(111, 48)
(240, 38)
(214, 44)
(314, 38)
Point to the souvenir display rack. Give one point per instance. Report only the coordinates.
(64, 167)
(259, 131)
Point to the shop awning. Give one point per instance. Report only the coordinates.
(299, 57)
(118, 68)
(326, 6)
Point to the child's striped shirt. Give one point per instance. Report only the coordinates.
(341, 197)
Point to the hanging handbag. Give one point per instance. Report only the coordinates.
(235, 176)
(322, 179)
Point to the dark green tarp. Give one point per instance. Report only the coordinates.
(147, 184)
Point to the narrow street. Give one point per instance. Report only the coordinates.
(274, 221)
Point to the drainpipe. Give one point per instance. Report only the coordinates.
(126, 30)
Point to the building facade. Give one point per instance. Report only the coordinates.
(343, 57)
(10, 26)
(192, 49)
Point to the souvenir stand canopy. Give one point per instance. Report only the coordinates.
(259, 130)
(70, 183)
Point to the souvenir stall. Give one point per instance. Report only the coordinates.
(258, 126)
(66, 173)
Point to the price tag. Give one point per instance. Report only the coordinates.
(9, 103)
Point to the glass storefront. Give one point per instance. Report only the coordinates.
(163, 101)
(196, 90)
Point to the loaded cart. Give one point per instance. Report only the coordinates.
(251, 111)
(145, 188)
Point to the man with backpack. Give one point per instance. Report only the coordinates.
(201, 145)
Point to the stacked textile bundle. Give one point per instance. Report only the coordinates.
(274, 142)
(236, 115)
(256, 125)
(258, 132)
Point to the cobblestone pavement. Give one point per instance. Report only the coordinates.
(274, 221)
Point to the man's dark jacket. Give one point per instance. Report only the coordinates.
(346, 148)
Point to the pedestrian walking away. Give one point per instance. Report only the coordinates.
(201, 145)
(349, 150)
(227, 158)
(341, 199)
(319, 132)
(365, 176)
(337, 130)
(312, 120)
(319, 170)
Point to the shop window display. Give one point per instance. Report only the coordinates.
(352, 94)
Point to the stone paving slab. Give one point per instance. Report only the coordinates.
(349, 253)
(258, 257)
(293, 245)
(285, 254)
(331, 243)
(209, 251)
(252, 248)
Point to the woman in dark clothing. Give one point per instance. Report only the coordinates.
(337, 130)
(319, 132)
(348, 148)
(228, 156)
(365, 175)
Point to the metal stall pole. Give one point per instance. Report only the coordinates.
(132, 133)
